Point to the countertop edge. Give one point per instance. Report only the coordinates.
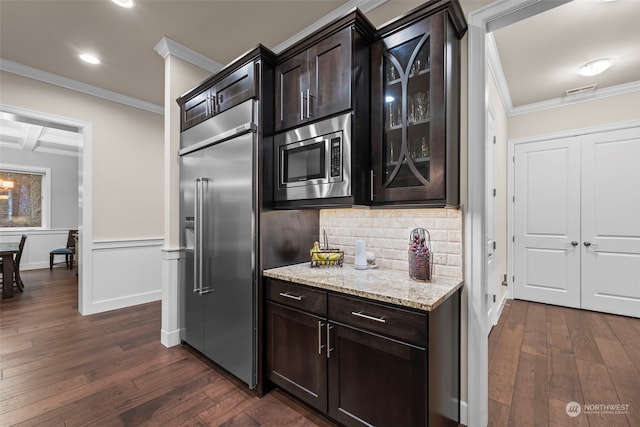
(319, 284)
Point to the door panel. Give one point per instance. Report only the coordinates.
(490, 222)
(291, 81)
(296, 358)
(235, 88)
(375, 381)
(330, 75)
(547, 205)
(192, 331)
(611, 222)
(229, 307)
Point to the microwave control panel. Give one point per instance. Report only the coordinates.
(336, 157)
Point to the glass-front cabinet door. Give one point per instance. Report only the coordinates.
(407, 101)
(410, 101)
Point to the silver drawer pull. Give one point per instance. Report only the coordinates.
(288, 295)
(377, 319)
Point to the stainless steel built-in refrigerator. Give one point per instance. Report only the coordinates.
(218, 206)
(228, 237)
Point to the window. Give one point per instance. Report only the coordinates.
(23, 197)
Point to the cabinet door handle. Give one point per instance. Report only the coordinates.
(301, 105)
(366, 316)
(320, 346)
(308, 103)
(288, 295)
(371, 184)
(329, 349)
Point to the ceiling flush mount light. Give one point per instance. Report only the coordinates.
(595, 67)
(90, 59)
(124, 3)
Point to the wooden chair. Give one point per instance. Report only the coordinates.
(16, 280)
(69, 251)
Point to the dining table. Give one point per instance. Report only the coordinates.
(8, 252)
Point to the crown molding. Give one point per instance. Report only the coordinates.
(623, 89)
(166, 47)
(364, 5)
(67, 83)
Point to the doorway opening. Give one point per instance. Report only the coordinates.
(85, 175)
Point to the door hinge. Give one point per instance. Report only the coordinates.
(494, 192)
(513, 238)
(494, 246)
(513, 199)
(513, 159)
(494, 298)
(494, 141)
(513, 279)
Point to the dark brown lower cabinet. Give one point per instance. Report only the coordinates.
(295, 358)
(362, 362)
(375, 380)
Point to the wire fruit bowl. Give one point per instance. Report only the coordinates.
(325, 256)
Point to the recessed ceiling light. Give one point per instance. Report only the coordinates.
(595, 67)
(124, 3)
(90, 59)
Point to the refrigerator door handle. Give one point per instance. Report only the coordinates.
(202, 215)
(197, 249)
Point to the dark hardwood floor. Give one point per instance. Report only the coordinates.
(542, 357)
(58, 368)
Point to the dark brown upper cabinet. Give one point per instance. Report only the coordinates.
(315, 78)
(222, 91)
(415, 112)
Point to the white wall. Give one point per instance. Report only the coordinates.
(614, 109)
(127, 155)
(127, 191)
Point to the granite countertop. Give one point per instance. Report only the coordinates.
(390, 286)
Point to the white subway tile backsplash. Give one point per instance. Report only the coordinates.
(386, 234)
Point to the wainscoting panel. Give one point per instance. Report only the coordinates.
(125, 273)
(37, 247)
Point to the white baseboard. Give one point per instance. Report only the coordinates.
(170, 339)
(503, 300)
(463, 413)
(123, 302)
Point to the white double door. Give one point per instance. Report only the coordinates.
(577, 221)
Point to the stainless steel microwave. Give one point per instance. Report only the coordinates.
(314, 161)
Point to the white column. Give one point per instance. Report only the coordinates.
(180, 75)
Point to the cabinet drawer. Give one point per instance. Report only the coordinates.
(297, 296)
(390, 321)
